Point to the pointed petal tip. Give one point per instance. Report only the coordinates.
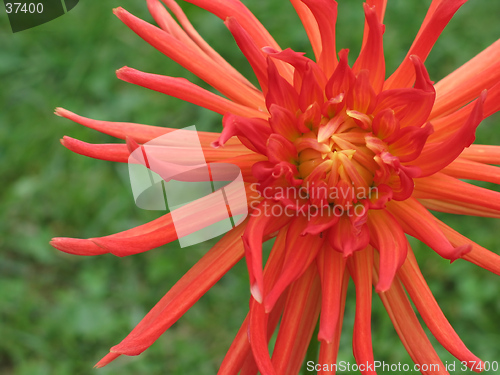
(256, 292)
(269, 302)
(68, 141)
(326, 337)
(77, 246)
(122, 72)
(216, 144)
(382, 288)
(118, 10)
(107, 359)
(60, 112)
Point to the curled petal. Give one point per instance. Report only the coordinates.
(421, 224)
(342, 78)
(385, 123)
(325, 13)
(239, 356)
(320, 222)
(438, 16)
(120, 153)
(411, 106)
(302, 66)
(458, 208)
(478, 255)
(310, 25)
(258, 327)
(192, 217)
(346, 238)
(310, 91)
(280, 91)
(142, 238)
(379, 6)
(362, 98)
(436, 156)
(252, 132)
(410, 142)
(372, 53)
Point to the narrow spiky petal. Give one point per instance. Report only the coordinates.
(422, 297)
(435, 157)
(409, 329)
(190, 34)
(260, 224)
(360, 266)
(111, 152)
(372, 53)
(338, 164)
(458, 191)
(421, 224)
(183, 89)
(438, 16)
(467, 82)
(184, 294)
(325, 13)
(259, 319)
(310, 25)
(298, 322)
(457, 208)
(388, 238)
(235, 8)
(328, 351)
(487, 154)
(478, 255)
(239, 356)
(203, 67)
(254, 55)
(462, 168)
(331, 267)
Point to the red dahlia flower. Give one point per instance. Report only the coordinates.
(339, 164)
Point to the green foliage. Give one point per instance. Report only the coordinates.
(61, 313)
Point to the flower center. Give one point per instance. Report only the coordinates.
(335, 161)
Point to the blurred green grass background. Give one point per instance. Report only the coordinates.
(61, 313)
